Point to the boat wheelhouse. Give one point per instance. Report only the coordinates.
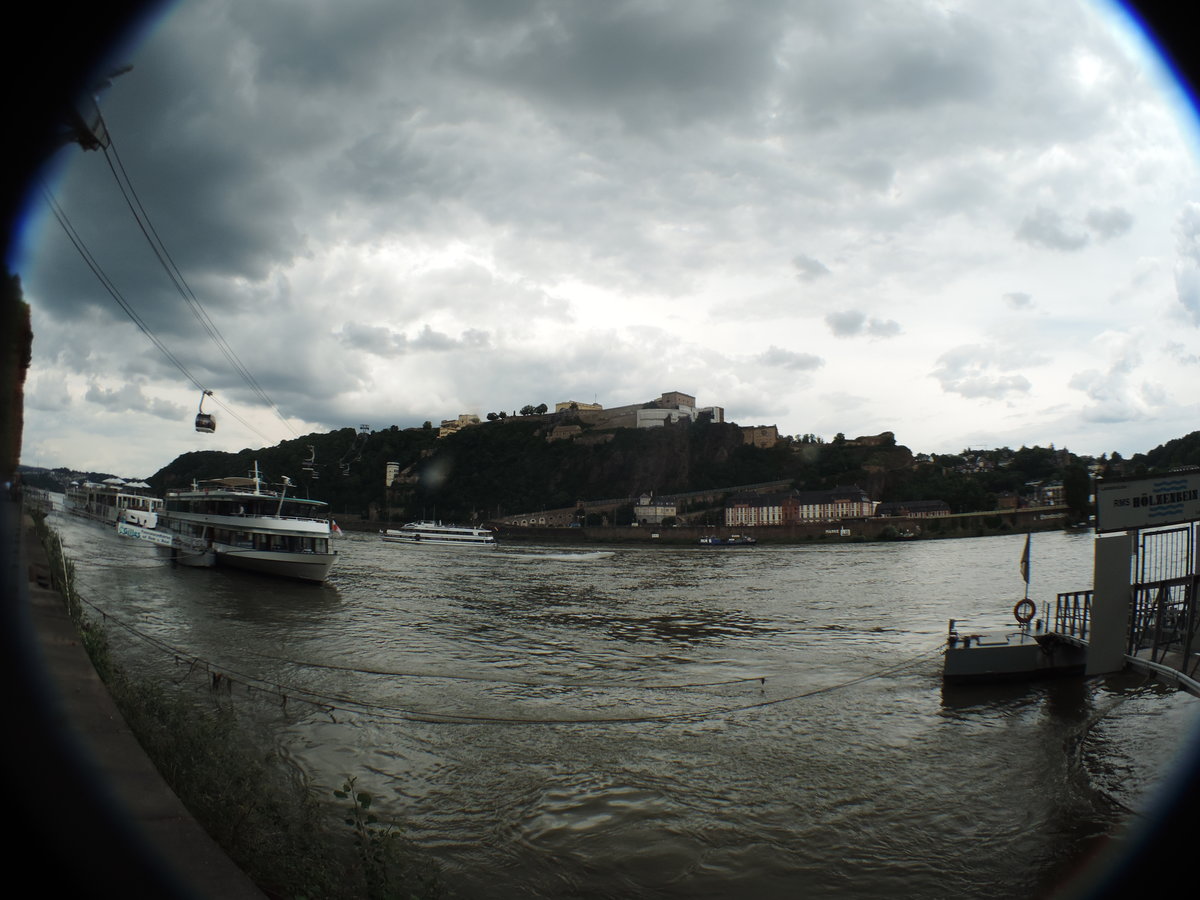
(112, 500)
(436, 534)
(239, 523)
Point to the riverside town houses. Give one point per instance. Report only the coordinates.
(797, 507)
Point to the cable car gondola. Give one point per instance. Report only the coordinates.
(205, 423)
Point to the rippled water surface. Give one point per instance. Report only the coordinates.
(672, 722)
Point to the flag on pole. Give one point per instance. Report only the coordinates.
(333, 526)
(1025, 561)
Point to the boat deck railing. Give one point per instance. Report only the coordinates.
(250, 515)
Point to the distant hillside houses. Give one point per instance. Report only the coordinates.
(798, 507)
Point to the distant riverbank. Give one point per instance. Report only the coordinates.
(980, 524)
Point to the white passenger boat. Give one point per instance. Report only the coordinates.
(111, 500)
(236, 522)
(436, 534)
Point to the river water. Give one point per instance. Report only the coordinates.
(671, 722)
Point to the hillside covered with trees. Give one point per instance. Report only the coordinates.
(519, 464)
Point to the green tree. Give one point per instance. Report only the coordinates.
(1076, 492)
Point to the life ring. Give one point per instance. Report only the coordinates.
(1025, 610)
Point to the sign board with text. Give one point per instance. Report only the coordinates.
(1147, 502)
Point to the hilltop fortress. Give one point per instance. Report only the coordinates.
(673, 406)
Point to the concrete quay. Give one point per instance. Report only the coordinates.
(92, 813)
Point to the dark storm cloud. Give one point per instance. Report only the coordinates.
(872, 60)
(647, 63)
(131, 398)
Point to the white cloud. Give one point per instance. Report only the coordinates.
(977, 372)
(1187, 268)
(809, 269)
(788, 359)
(1109, 223)
(852, 322)
(1045, 228)
(48, 392)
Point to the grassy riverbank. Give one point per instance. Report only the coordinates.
(291, 842)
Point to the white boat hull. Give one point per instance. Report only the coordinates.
(304, 566)
(418, 541)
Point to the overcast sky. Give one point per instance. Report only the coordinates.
(974, 224)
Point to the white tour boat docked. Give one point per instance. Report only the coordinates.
(436, 534)
(237, 522)
(112, 500)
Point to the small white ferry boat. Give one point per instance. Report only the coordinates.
(435, 534)
(112, 500)
(236, 522)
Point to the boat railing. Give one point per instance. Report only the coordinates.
(1073, 613)
(271, 515)
(242, 514)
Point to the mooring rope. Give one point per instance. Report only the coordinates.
(224, 677)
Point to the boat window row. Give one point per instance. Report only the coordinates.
(249, 540)
(246, 507)
(276, 543)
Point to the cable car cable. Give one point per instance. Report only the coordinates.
(138, 210)
(129, 311)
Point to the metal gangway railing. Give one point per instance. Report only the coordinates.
(1163, 623)
(1073, 614)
